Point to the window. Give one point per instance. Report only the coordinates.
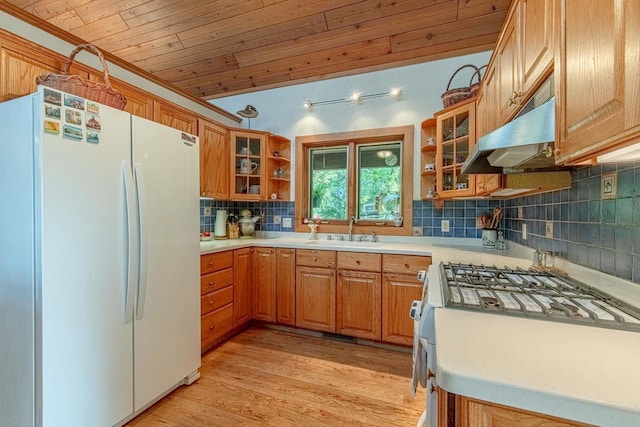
(365, 174)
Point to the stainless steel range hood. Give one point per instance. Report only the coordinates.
(524, 144)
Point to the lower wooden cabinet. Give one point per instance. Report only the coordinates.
(242, 286)
(264, 284)
(463, 411)
(216, 297)
(359, 301)
(400, 287)
(216, 324)
(398, 292)
(316, 298)
(286, 286)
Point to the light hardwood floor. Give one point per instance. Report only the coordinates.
(264, 377)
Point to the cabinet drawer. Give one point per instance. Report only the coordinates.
(405, 264)
(215, 300)
(313, 258)
(213, 262)
(217, 323)
(359, 261)
(214, 281)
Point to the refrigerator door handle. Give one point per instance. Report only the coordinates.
(131, 272)
(144, 244)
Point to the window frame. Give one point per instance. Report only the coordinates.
(404, 134)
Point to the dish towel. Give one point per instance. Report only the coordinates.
(419, 362)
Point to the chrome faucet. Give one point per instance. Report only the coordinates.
(352, 220)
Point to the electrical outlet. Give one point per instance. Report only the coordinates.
(548, 229)
(277, 219)
(520, 213)
(524, 231)
(207, 211)
(417, 231)
(444, 225)
(286, 222)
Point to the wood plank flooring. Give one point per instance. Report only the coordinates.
(264, 377)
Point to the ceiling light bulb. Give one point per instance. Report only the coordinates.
(307, 104)
(394, 91)
(355, 96)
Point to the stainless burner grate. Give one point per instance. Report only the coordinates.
(535, 294)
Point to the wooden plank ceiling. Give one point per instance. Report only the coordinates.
(217, 48)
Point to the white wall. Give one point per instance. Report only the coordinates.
(281, 110)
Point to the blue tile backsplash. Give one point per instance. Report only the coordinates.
(603, 234)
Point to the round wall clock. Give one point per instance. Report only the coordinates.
(392, 160)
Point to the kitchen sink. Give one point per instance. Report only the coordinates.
(344, 243)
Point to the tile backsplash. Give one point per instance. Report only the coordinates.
(270, 209)
(603, 234)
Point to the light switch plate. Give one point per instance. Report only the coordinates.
(524, 231)
(444, 225)
(207, 211)
(417, 231)
(548, 229)
(277, 219)
(520, 213)
(286, 222)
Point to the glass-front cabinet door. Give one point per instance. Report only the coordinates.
(455, 138)
(247, 164)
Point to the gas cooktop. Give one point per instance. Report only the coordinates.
(533, 294)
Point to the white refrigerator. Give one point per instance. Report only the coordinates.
(99, 262)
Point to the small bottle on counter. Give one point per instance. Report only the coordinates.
(548, 259)
(501, 245)
(537, 258)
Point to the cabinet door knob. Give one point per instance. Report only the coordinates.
(358, 262)
(210, 302)
(315, 258)
(212, 284)
(210, 262)
(406, 266)
(211, 327)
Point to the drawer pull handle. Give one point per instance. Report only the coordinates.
(315, 258)
(211, 327)
(210, 302)
(210, 262)
(358, 262)
(212, 284)
(406, 266)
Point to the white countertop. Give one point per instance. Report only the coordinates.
(582, 373)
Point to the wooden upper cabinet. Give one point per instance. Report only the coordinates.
(175, 117)
(508, 65)
(247, 165)
(21, 63)
(597, 82)
(214, 160)
(536, 41)
(139, 103)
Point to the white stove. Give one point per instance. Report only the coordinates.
(533, 294)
